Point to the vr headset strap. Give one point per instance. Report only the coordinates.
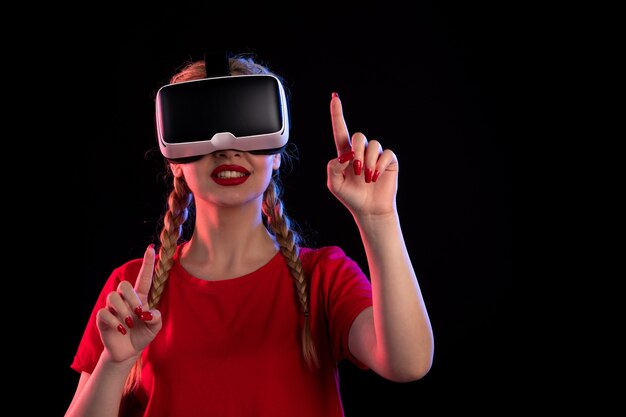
(216, 62)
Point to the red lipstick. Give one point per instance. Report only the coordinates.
(230, 175)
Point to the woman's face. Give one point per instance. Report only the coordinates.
(228, 178)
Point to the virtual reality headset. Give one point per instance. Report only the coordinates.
(241, 112)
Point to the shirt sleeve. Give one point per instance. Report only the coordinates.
(344, 291)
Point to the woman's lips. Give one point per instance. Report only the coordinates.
(230, 175)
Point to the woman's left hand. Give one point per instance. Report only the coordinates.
(364, 177)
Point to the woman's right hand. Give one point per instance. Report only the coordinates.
(126, 325)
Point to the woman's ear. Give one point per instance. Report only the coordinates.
(177, 170)
(276, 162)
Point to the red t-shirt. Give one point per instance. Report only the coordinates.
(232, 347)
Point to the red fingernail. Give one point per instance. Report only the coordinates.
(375, 176)
(138, 311)
(129, 322)
(346, 156)
(121, 329)
(368, 174)
(112, 310)
(357, 166)
(334, 94)
(146, 316)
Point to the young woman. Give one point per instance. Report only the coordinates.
(239, 319)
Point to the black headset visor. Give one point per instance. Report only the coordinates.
(243, 112)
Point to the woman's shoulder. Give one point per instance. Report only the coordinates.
(324, 255)
(128, 270)
(330, 266)
(321, 252)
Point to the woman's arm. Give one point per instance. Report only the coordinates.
(100, 394)
(394, 337)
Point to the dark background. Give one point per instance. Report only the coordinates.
(424, 81)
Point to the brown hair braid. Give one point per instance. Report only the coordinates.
(287, 238)
(179, 200)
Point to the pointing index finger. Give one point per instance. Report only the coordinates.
(144, 279)
(340, 129)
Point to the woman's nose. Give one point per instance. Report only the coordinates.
(227, 153)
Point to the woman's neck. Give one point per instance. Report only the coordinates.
(227, 247)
